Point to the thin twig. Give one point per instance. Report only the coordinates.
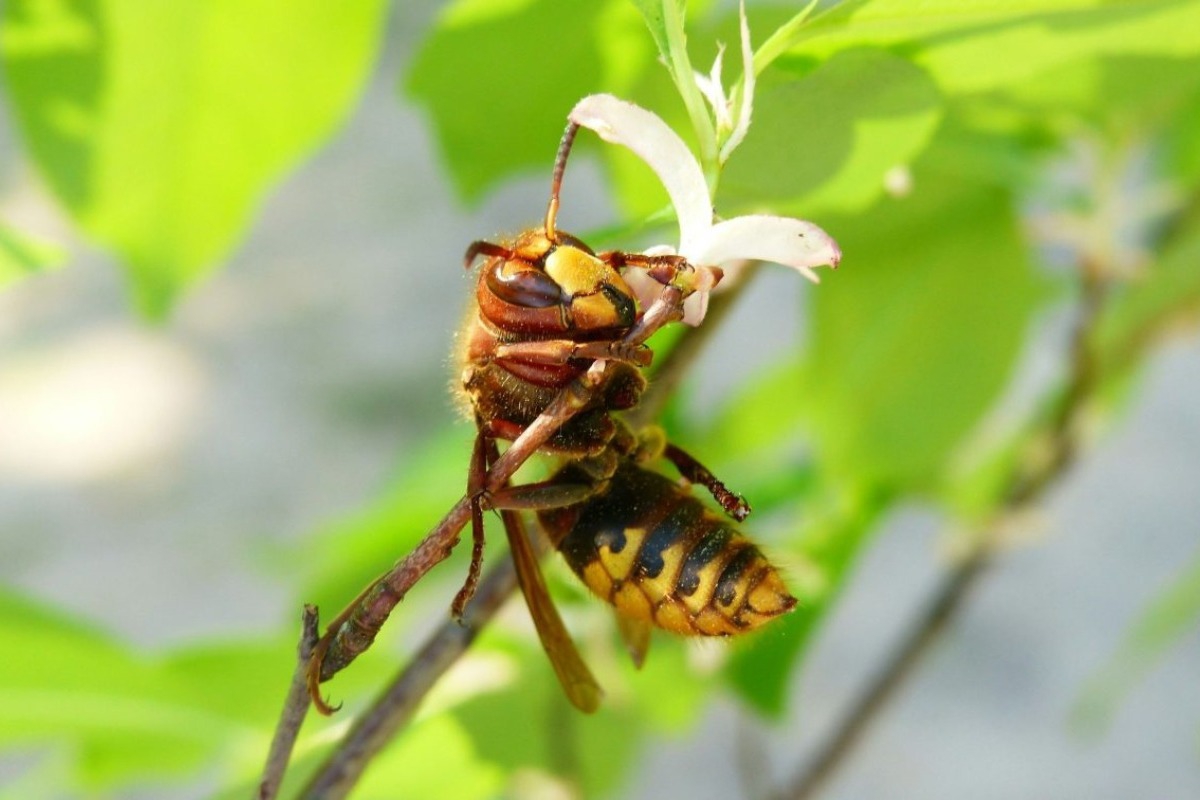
(934, 620)
(926, 630)
(396, 707)
(295, 708)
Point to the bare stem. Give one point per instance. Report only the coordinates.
(1026, 487)
(396, 706)
(295, 708)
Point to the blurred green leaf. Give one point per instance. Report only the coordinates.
(346, 554)
(836, 525)
(929, 313)
(1120, 93)
(63, 683)
(652, 13)
(160, 126)
(22, 255)
(667, 691)
(1183, 141)
(243, 681)
(761, 440)
(530, 724)
(529, 63)
(434, 758)
(910, 346)
(980, 44)
(824, 141)
(1168, 287)
(994, 57)
(1172, 615)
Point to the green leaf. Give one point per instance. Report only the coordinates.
(655, 18)
(22, 255)
(435, 758)
(758, 441)
(530, 723)
(1183, 141)
(244, 681)
(667, 691)
(1002, 55)
(64, 683)
(1167, 288)
(823, 142)
(348, 553)
(911, 343)
(529, 62)
(940, 31)
(1173, 614)
(161, 126)
(915, 338)
(837, 524)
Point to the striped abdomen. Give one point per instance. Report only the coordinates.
(658, 554)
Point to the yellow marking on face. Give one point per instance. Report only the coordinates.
(619, 565)
(584, 278)
(579, 273)
(630, 601)
(593, 311)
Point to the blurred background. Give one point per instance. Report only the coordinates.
(172, 483)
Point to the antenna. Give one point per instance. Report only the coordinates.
(560, 164)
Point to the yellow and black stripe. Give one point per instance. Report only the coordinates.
(658, 554)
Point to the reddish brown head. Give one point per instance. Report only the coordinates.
(554, 287)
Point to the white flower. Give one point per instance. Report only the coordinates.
(705, 244)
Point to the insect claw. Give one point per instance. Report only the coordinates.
(324, 707)
(314, 684)
(740, 508)
(458, 608)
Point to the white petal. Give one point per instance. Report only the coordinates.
(645, 289)
(713, 93)
(694, 308)
(792, 242)
(663, 151)
(746, 107)
(660, 250)
(718, 100)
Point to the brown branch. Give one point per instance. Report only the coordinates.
(295, 708)
(397, 705)
(1027, 487)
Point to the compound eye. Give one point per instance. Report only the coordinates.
(529, 288)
